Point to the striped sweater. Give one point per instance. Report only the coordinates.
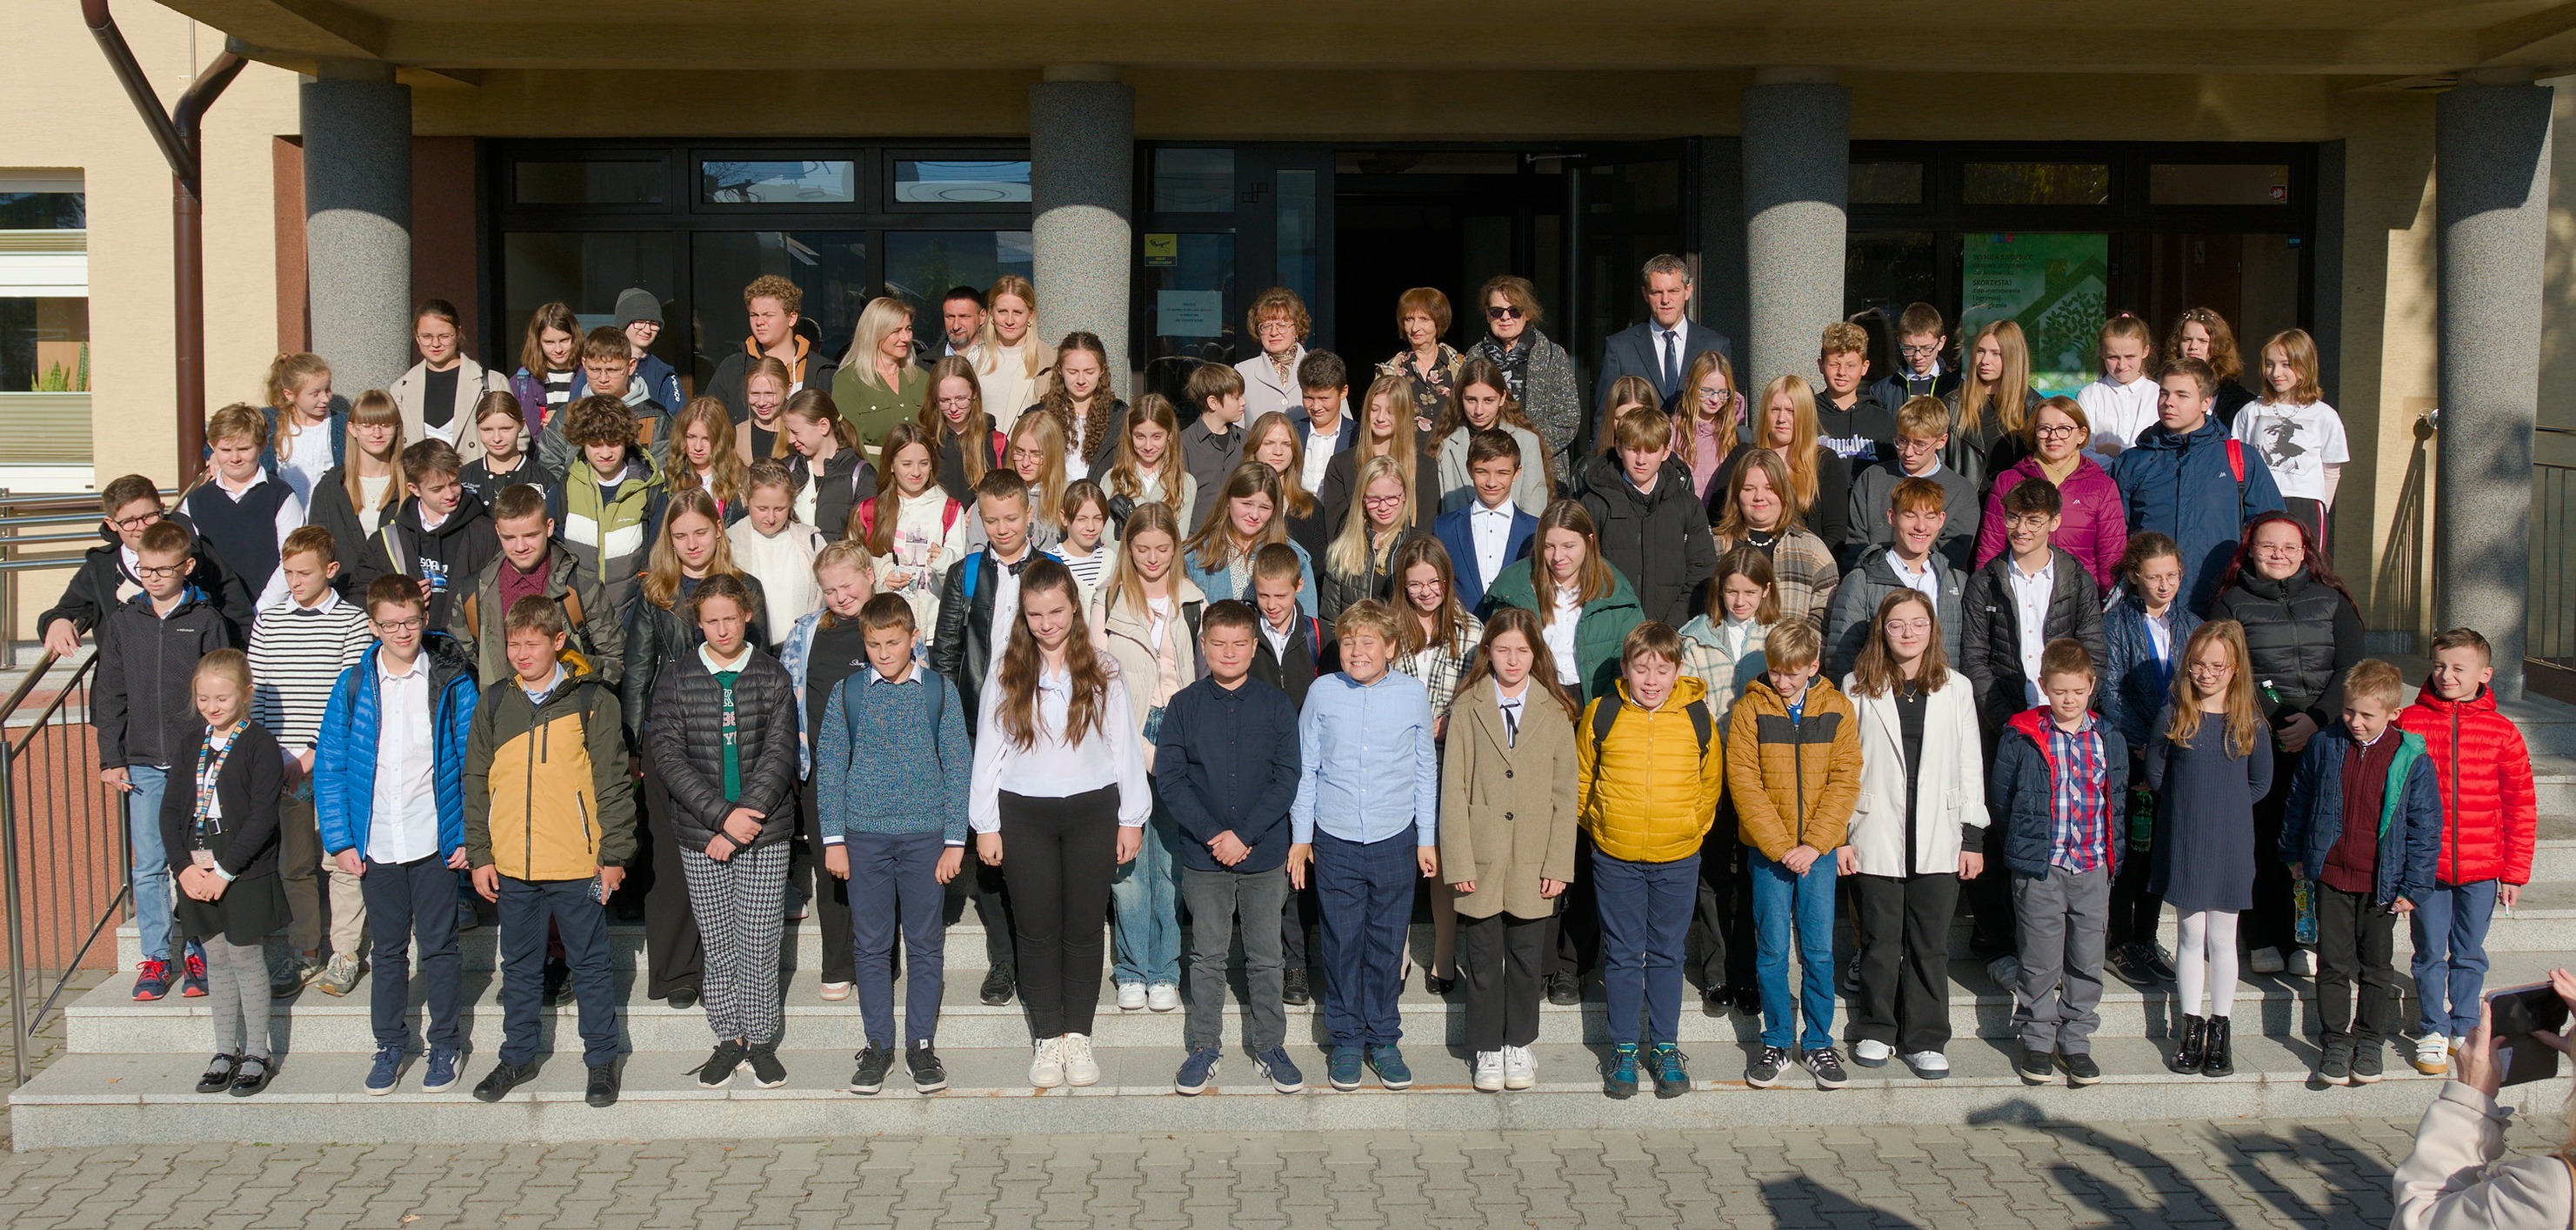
(296, 655)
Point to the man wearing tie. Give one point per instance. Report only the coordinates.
(1660, 347)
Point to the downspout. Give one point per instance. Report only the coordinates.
(180, 135)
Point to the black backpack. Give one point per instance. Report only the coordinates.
(1606, 714)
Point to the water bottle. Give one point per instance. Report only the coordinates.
(2142, 819)
(2303, 897)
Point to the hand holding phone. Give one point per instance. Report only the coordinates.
(2526, 1023)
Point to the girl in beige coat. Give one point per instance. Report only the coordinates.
(2452, 1180)
(1507, 823)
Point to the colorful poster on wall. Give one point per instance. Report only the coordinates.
(2055, 286)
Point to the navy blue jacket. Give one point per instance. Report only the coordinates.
(2134, 690)
(2410, 814)
(1459, 540)
(2185, 488)
(1228, 759)
(2017, 792)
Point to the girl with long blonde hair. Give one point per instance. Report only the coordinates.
(1149, 467)
(703, 458)
(2208, 759)
(1990, 410)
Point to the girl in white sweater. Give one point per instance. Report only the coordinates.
(777, 549)
(913, 527)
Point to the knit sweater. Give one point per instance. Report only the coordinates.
(883, 768)
(784, 562)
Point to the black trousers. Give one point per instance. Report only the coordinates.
(1499, 962)
(1573, 941)
(2134, 910)
(2356, 942)
(675, 958)
(829, 894)
(1903, 926)
(1997, 930)
(2273, 922)
(1062, 853)
(1298, 919)
(1721, 933)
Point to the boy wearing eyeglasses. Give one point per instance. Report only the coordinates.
(1921, 336)
(144, 708)
(127, 507)
(1922, 433)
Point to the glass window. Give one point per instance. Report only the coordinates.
(2037, 183)
(1194, 181)
(2055, 286)
(922, 265)
(44, 345)
(2218, 184)
(1298, 226)
(831, 267)
(792, 181)
(43, 211)
(2250, 279)
(956, 182)
(585, 272)
(1887, 183)
(1189, 310)
(1882, 273)
(602, 182)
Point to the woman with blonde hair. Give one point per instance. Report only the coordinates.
(298, 406)
(1758, 513)
(1359, 562)
(702, 456)
(825, 647)
(953, 415)
(1009, 359)
(1990, 411)
(1148, 466)
(1819, 490)
(356, 497)
(878, 385)
(1272, 441)
(1387, 429)
(1036, 454)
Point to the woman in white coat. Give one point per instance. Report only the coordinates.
(1278, 321)
(1922, 786)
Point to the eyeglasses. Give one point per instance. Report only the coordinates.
(144, 521)
(1382, 501)
(398, 625)
(961, 401)
(1715, 397)
(1915, 627)
(1507, 311)
(2054, 430)
(1921, 352)
(1423, 587)
(158, 572)
(2204, 669)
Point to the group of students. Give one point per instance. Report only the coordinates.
(808, 644)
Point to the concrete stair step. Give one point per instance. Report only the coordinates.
(86, 1100)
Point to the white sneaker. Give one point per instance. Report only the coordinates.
(2433, 1055)
(1489, 1071)
(835, 992)
(1046, 1069)
(2303, 962)
(2005, 970)
(1131, 997)
(1930, 1065)
(1520, 1068)
(1079, 1067)
(1871, 1053)
(2264, 961)
(1163, 997)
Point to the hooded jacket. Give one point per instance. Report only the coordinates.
(2490, 808)
(610, 533)
(344, 768)
(2018, 791)
(598, 635)
(1599, 629)
(2094, 527)
(144, 707)
(1990, 631)
(449, 557)
(1795, 781)
(546, 792)
(1659, 540)
(2302, 637)
(2185, 487)
(2410, 814)
(1648, 791)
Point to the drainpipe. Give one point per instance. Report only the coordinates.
(180, 136)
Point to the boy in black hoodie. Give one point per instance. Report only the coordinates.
(1652, 526)
(128, 506)
(441, 537)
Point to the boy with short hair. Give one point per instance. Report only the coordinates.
(1922, 433)
(441, 537)
(1649, 522)
(1650, 771)
(1226, 767)
(609, 505)
(128, 505)
(1921, 337)
(1212, 441)
(1287, 654)
(1488, 534)
(549, 829)
(1793, 769)
(2364, 823)
(2491, 815)
(1851, 423)
(1915, 517)
(297, 651)
(144, 709)
(389, 794)
(892, 769)
(241, 511)
(2060, 783)
(1363, 838)
(1323, 414)
(607, 371)
(531, 564)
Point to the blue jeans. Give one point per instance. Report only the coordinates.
(529, 908)
(1783, 900)
(894, 881)
(2451, 956)
(1145, 912)
(151, 873)
(1645, 918)
(1365, 895)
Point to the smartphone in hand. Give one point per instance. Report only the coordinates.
(2519, 1013)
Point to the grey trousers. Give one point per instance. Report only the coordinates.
(1215, 900)
(2063, 918)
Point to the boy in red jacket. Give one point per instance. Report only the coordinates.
(2490, 813)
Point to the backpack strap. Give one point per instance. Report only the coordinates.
(948, 515)
(1702, 724)
(473, 615)
(1604, 716)
(571, 607)
(974, 566)
(2236, 466)
(867, 518)
(1314, 638)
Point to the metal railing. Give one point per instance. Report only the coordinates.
(63, 851)
(40, 533)
(2550, 626)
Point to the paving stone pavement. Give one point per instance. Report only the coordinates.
(2270, 1173)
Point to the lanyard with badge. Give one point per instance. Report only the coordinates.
(210, 766)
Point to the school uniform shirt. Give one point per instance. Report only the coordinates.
(2118, 412)
(1559, 635)
(1318, 456)
(2298, 442)
(404, 827)
(2030, 595)
(1368, 768)
(289, 517)
(304, 464)
(1051, 768)
(1492, 530)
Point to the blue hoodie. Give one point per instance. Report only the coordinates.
(2185, 487)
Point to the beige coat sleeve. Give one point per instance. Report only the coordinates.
(2449, 1182)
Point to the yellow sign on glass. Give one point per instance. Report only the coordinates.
(1162, 251)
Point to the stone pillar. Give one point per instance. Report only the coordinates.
(2491, 170)
(1797, 176)
(357, 223)
(1082, 143)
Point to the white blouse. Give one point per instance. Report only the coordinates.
(1050, 768)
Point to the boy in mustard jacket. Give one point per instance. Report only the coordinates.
(1651, 770)
(1793, 761)
(549, 829)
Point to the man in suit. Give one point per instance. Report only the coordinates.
(1661, 348)
(1484, 537)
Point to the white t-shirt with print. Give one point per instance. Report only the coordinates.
(2298, 442)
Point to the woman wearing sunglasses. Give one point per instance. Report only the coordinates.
(1541, 373)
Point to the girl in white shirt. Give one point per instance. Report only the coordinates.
(913, 528)
(777, 549)
(2123, 402)
(2299, 435)
(1084, 513)
(1060, 791)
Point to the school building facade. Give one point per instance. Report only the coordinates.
(2378, 172)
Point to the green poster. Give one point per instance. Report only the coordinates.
(2054, 286)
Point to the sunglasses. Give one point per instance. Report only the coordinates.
(1505, 312)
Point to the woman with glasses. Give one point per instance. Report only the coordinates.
(2095, 527)
(1278, 320)
(1540, 371)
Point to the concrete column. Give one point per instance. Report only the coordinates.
(357, 224)
(2491, 170)
(1797, 178)
(1082, 143)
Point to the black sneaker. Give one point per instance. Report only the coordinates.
(2036, 1067)
(2080, 1069)
(721, 1065)
(766, 1071)
(2334, 1065)
(1827, 1067)
(601, 1089)
(503, 1078)
(928, 1074)
(1564, 990)
(873, 1066)
(2365, 1062)
(1766, 1068)
(2129, 963)
(558, 984)
(1000, 983)
(1292, 986)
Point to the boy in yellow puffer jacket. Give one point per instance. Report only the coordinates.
(1793, 761)
(1651, 769)
(549, 829)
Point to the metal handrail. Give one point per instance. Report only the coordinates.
(23, 1025)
